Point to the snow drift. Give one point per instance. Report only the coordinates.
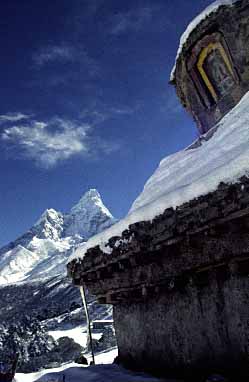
(220, 156)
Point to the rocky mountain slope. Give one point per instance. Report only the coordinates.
(35, 293)
(42, 251)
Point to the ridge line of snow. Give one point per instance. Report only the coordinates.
(188, 174)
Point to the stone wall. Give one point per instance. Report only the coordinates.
(230, 27)
(180, 286)
(168, 238)
(199, 329)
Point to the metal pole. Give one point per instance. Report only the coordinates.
(89, 333)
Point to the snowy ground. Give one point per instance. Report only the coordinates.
(50, 374)
(78, 334)
(103, 371)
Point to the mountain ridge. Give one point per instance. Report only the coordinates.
(42, 251)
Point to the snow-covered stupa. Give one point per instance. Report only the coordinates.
(211, 73)
(176, 268)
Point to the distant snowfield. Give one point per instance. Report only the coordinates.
(103, 371)
(188, 174)
(42, 257)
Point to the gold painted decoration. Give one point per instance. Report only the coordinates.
(216, 70)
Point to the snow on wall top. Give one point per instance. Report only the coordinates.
(194, 23)
(188, 174)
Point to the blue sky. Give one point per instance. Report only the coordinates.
(85, 102)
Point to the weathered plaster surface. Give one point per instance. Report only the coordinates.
(199, 328)
(232, 23)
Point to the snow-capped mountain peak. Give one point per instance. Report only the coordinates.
(90, 200)
(43, 250)
(50, 225)
(49, 214)
(88, 217)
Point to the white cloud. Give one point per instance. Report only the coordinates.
(54, 141)
(97, 117)
(63, 53)
(51, 53)
(122, 110)
(48, 143)
(82, 65)
(133, 20)
(13, 117)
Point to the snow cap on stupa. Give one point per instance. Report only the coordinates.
(211, 67)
